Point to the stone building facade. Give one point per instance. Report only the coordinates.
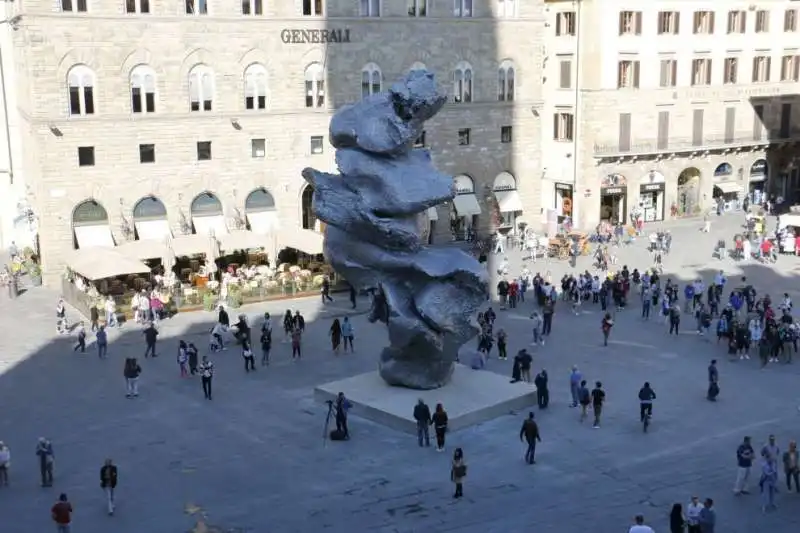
(142, 117)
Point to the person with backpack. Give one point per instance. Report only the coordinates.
(606, 326)
(584, 399)
(674, 319)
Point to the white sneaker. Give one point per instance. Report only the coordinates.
(746, 356)
(741, 358)
(542, 343)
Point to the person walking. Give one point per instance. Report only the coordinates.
(101, 338)
(536, 328)
(61, 513)
(547, 318)
(707, 519)
(341, 407)
(223, 318)
(150, 337)
(693, 515)
(266, 345)
(131, 372)
(183, 359)
(81, 335)
(458, 471)
(5, 463)
(422, 414)
(326, 290)
(111, 312)
(674, 317)
(439, 420)
(335, 334)
(744, 461)
(639, 526)
(542, 392)
(598, 398)
(108, 482)
(347, 334)
(791, 467)
(575, 378)
(191, 351)
(502, 344)
(713, 381)
(768, 483)
(606, 325)
(206, 375)
(530, 432)
(248, 356)
(584, 399)
(353, 296)
(44, 450)
(297, 339)
(61, 317)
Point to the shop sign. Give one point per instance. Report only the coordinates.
(612, 190)
(295, 36)
(563, 187)
(759, 168)
(653, 187)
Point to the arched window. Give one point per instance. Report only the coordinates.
(315, 85)
(462, 88)
(201, 88)
(81, 90)
(255, 87)
(308, 219)
(505, 82)
(417, 66)
(143, 89)
(370, 80)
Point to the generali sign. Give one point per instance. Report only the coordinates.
(292, 36)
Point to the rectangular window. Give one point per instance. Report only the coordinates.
(462, 8)
(258, 148)
(624, 132)
(730, 124)
(66, 5)
(663, 130)
(701, 71)
(317, 144)
(737, 22)
(669, 73)
(762, 21)
(312, 8)
(74, 100)
(464, 137)
(563, 127)
(137, 6)
(417, 8)
(565, 23)
(507, 8)
(786, 120)
(565, 74)
(703, 23)
(147, 153)
(790, 20)
(630, 23)
(370, 8)
(758, 122)
(252, 7)
(81, 6)
(420, 142)
(197, 7)
(628, 74)
(697, 127)
(790, 68)
(506, 134)
(86, 156)
(669, 23)
(731, 71)
(761, 68)
(204, 151)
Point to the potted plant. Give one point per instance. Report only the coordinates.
(209, 300)
(35, 273)
(235, 297)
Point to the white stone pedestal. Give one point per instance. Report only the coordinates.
(471, 397)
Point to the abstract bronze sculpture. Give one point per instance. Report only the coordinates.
(376, 216)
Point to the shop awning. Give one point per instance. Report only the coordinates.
(143, 249)
(509, 201)
(758, 177)
(98, 236)
(243, 240)
(155, 230)
(433, 214)
(205, 225)
(263, 222)
(187, 245)
(305, 240)
(100, 263)
(728, 187)
(466, 205)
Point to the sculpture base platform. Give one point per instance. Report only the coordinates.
(471, 397)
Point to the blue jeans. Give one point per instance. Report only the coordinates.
(768, 494)
(111, 320)
(530, 453)
(63, 528)
(573, 389)
(102, 350)
(423, 433)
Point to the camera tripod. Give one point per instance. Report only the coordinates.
(327, 423)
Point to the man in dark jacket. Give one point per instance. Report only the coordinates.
(223, 317)
(108, 482)
(422, 414)
(542, 393)
(530, 432)
(150, 336)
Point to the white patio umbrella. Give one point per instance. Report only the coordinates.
(168, 259)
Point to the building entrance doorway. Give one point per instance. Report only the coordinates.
(688, 202)
(612, 207)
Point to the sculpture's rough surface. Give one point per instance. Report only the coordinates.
(376, 216)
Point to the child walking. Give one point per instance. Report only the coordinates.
(183, 359)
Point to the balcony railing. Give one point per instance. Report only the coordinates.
(673, 145)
